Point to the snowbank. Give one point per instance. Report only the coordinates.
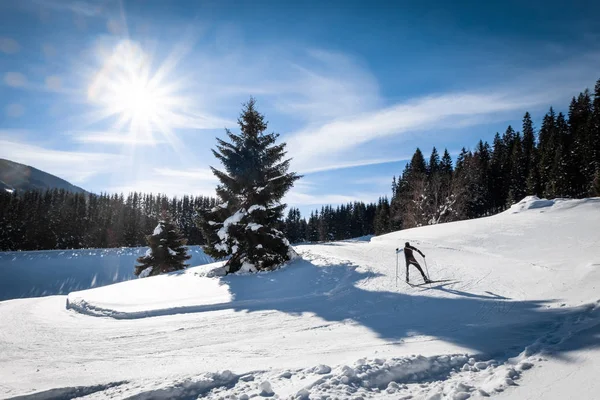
(535, 203)
(531, 203)
(181, 291)
(204, 288)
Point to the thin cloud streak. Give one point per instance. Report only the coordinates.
(420, 114)
(375, 180)
(299, 198)
(9, 45)
(173, 182)
(15, 110)
(15, 79)
(115, 138)
(76, 167)
(201, 174)
(333, 86)
(79, 7)
(180, 187)
(332, 165)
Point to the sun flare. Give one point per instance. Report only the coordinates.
(136, 100)
(141, 102)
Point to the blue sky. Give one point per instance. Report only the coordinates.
(130, 95)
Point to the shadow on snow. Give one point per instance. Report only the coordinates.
(490, 324)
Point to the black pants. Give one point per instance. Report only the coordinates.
(416, 264)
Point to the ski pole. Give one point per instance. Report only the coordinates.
(426, 269)
(396, 267)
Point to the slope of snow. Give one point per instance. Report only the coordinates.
(515, 315)
(51, 272)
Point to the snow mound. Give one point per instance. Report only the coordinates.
(204, 288)
(181, 291)
(71, 392)
(189, 388)
(531, 203)
(554, 205)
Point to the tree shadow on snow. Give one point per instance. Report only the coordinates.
(490, 324)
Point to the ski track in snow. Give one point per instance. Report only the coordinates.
(520, 294)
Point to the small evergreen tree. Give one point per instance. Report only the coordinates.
(244, 226)
(167, 252)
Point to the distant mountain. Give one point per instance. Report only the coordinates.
(15, 176)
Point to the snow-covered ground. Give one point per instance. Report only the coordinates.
(44, 273)
(516, 316)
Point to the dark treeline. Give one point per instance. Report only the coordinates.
(57, 219)
(342, 222)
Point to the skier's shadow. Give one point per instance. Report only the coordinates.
(441, 287)
(488, 324)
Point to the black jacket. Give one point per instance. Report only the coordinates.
(408, 253)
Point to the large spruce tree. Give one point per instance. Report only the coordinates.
(167, 252)
(243, 228)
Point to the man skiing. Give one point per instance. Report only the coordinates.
(410, 259)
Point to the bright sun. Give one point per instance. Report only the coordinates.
(136, 100)
(141, 102)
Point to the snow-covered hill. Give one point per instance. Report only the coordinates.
(517, 315)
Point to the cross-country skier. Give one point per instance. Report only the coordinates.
(410, 259)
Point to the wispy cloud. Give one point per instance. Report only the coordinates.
(80, 7)
(420, 114)
(298, 198)
(173, 182)
(171, 188)
(373, 181)
(314, 146)
(328, 85)
(15, 79)
(74, 166)
(295, 198)
(116, 138)
(311, 86)
(194, 174)
(15, 110)
(49, 50)
(331, 164)
(53, 82)
(8, 45)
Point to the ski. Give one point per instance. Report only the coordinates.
(427, 283)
